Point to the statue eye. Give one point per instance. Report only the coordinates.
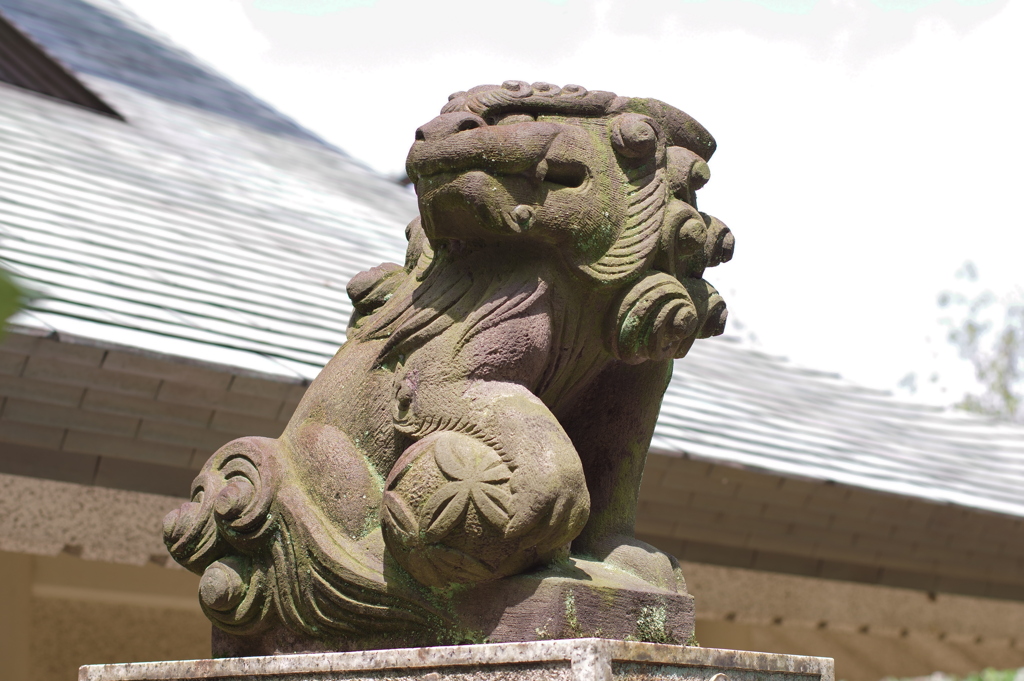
(566, 174)
(634, 135)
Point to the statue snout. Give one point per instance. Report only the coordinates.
(447, 125)
(462, 141)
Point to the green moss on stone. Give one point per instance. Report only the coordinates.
(650, 625)
(571, 619)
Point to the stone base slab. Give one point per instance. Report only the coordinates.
(587, 659)
(571, 600)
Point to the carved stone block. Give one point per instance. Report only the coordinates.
(571, 600)
(563, 660)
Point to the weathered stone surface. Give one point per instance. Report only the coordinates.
(563, 660)
(570, 600)
(490, 415)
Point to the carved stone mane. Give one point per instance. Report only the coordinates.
(467, 465)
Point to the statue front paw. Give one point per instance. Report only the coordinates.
(638, 558)
(452, 514)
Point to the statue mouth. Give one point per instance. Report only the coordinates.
(471, 205)
(477, 180)
(477, 203)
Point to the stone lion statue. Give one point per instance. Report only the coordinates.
(467, 466)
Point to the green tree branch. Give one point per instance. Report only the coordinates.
(11, 297)
(988, 331)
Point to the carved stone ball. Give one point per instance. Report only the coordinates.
(222, 587)
(447, 510)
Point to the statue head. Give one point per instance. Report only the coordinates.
(608, 183)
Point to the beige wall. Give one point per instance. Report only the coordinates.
(15, 614)
(60, 612)
(717, 514)
(863, 656)
(871, 631)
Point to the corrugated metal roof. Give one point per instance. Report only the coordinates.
(216, 236)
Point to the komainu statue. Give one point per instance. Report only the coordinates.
(466, 468)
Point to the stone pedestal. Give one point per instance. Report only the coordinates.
(587, 659)
(574, 599)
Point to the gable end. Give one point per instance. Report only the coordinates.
(24, 64)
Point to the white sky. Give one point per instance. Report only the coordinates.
(866, 148)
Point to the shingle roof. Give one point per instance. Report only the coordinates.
(728, 402)
(100, 38)
(211, 228)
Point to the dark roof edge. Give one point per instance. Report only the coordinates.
(26, 64)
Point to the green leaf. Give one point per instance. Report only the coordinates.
(10, 297)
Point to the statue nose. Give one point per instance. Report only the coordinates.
(448, 124)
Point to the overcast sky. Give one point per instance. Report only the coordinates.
(866, 149)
